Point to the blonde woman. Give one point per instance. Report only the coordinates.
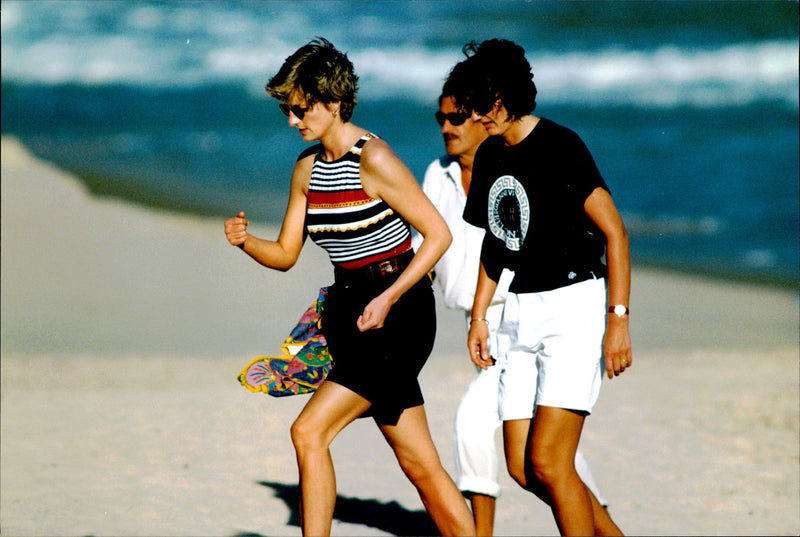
(354, 197)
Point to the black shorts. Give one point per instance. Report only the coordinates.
(380, 365)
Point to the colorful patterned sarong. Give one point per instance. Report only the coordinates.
(304, 365)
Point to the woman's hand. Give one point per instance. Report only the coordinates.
(283, 253)
(374, 314)
(236, 230)
(477, 344)
(617, 346)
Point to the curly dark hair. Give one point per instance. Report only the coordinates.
(321, 73)
(495, 69)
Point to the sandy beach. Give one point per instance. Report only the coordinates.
(123, 330)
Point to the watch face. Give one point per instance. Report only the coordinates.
(620, 310)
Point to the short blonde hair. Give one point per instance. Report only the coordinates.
(321, 73)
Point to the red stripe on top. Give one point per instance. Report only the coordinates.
(317, 198)
(364, 261)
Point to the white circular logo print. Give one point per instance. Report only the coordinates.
(509, 212)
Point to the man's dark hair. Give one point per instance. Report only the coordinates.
(495, 69)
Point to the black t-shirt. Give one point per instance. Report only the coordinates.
(529, 197)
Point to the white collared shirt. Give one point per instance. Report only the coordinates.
(457, 270)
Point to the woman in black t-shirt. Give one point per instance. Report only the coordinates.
(549, 217)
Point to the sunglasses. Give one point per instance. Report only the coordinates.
(295, 109)
(455, 118)
(485, 104)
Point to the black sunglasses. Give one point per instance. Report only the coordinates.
(295, 109)
(455, 118)
(484, 104)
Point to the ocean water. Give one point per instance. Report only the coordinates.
(689, 108)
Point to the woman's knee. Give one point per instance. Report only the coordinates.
(549, 467)
(413, 469)
(306, 436)
(419, 470)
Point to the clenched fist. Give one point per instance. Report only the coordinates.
(236, 230)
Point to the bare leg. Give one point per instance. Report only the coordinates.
(544, 465)
(516, 441)
(329, 410)
(603, 523)
(483, 508)
(413, 446)
(554, 439)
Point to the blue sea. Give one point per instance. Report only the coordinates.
(689, 108)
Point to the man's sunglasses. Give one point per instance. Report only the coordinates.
(455, 118)
(295, 109)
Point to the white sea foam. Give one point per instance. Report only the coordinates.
(191, 44)
(186, 44)
(674, 225)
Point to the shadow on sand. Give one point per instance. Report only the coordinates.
(390, 517)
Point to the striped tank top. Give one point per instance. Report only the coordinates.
(353, 228)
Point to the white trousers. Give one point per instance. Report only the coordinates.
(476, 425)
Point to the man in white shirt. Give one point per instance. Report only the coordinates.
(446, 183)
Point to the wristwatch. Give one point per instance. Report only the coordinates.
(619, 310)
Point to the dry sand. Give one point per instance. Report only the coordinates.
(123, 329)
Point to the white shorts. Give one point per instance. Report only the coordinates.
(550, 346)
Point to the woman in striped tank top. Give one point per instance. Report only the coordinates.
(354, 197)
